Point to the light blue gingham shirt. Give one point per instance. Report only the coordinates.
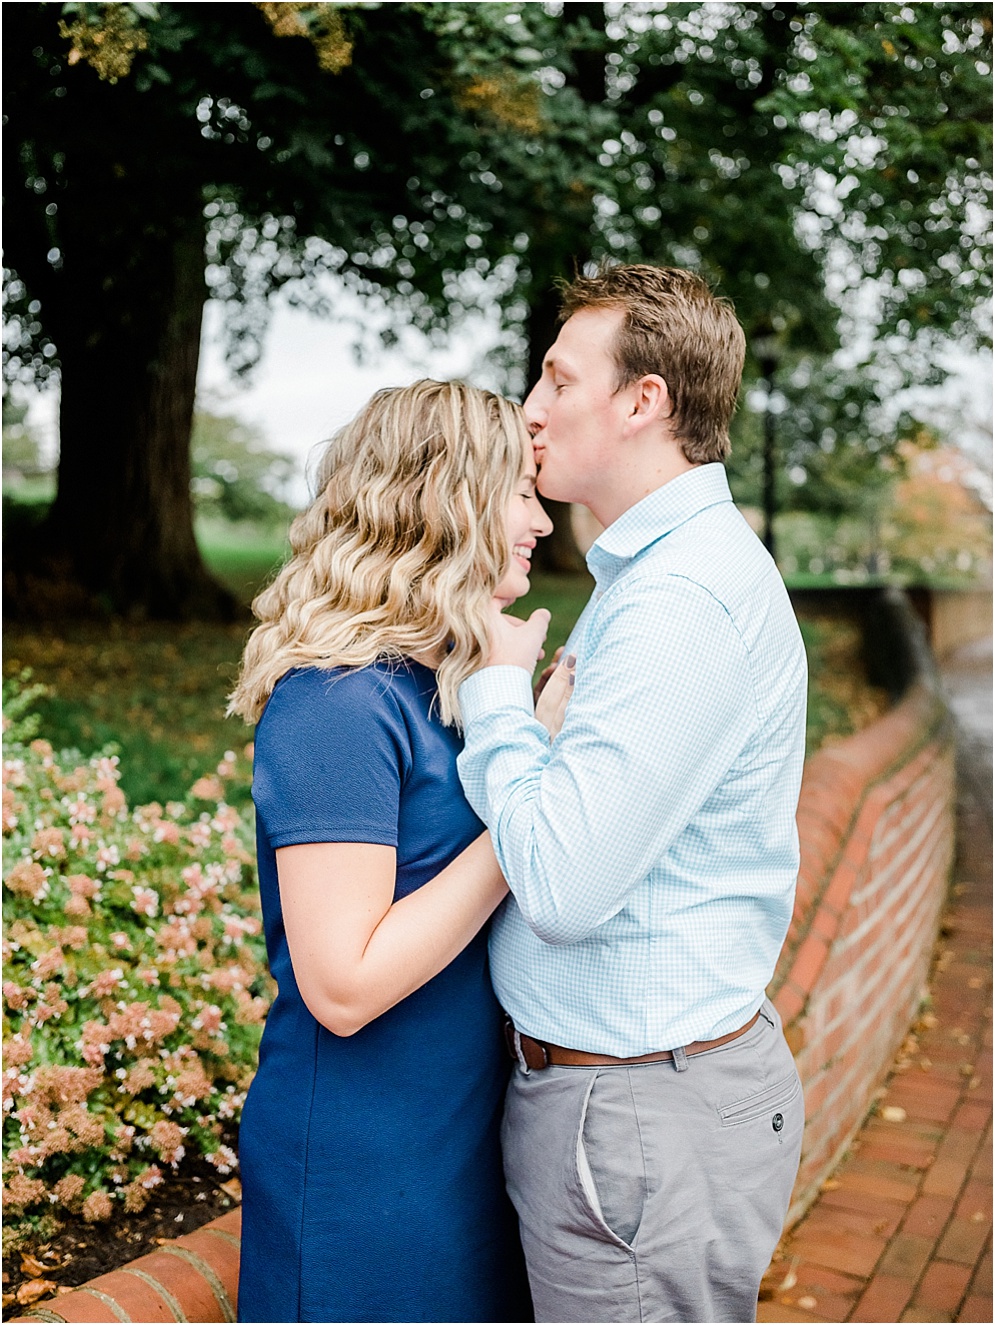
(651, 851)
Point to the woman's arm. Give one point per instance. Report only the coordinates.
(354, 953)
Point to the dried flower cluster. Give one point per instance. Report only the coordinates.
(135, 981)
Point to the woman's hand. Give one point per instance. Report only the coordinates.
(551, 706)
(515, 642)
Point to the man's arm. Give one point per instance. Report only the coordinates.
(663, 705)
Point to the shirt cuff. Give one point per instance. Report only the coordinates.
(492, 688)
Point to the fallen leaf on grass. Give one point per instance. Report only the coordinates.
(232, 1188)
(33, 1268)
(891, 1113)
(34, 1290)
(7, 1300)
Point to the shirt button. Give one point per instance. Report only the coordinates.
(777, 1122)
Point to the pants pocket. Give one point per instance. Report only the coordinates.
(610, 1162)
(770, 1100)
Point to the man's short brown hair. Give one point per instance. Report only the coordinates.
(675, 327)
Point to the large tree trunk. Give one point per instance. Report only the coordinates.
(120, 535)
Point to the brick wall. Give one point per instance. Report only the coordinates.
(876, 822)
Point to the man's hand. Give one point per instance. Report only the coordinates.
(551, 706)
(547, 672)
(517, 643)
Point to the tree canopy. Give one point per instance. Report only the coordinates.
(826, 166)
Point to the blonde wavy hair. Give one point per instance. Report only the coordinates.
(403, 547)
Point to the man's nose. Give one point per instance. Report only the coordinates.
(534, 416)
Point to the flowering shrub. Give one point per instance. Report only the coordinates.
(135, 978)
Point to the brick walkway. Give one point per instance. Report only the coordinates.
(903, 1229)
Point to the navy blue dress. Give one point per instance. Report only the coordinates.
(372, 1187)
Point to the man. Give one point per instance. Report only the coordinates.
(653, 1125)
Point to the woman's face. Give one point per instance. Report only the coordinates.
(525, 522)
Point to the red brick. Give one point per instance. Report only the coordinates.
(884, 1181)
(945, 1178)
(852, 1253)
(808, 962)
(777, 1311)
(818, 1279)
(964, 1240)
(137, 1299)
(927, 1216)
(183, 1282)
(907, 1255)
(845, 1197)
(977, 1307)
(928, 1315)
(885, 1298)
(943, 1287)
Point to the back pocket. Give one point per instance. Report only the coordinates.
(755, 1106)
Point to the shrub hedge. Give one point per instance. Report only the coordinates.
(135, 976)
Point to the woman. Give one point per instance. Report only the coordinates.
(372, 1186)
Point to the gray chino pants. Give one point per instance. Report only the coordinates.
(648, 1193)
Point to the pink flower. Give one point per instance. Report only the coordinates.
(81, 835)
(49, 842)
(10, 807)
(106, 982)
(107, 856)
(97, 1207)
(167, 832)
(82, 885)
(28, 879)
(224, 1159)
(166, 1139)
(200, 834)
(207, 789)
(80, 811)
(69, 1191)
(144, 901)
(17, 1051)
(48, 963)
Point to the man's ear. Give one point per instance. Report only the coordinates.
(649, 401)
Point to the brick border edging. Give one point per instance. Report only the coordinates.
(876, 824)
(194, 1278)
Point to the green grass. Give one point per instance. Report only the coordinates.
(243, 557)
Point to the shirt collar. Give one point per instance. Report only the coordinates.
(654, 517)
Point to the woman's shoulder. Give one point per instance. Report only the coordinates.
(360, 697)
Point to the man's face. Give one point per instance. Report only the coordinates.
(573, 411)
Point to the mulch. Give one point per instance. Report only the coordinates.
(38, 1270)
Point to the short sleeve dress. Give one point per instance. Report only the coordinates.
(371, 1173)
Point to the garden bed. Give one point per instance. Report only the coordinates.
(68, 1252)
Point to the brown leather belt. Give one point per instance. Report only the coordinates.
(538, 1055)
